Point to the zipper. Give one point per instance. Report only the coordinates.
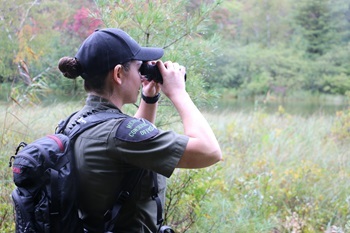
(24, 157)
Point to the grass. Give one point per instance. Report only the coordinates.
(281, 172)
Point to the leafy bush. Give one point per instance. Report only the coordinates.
(254, 70)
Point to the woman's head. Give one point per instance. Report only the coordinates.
(101, 52)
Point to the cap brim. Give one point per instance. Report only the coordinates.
(149, 54)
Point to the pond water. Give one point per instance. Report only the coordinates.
(302, 108)
(295, 106)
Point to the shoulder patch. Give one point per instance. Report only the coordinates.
(135, 130)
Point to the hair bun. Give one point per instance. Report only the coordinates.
(69, 67)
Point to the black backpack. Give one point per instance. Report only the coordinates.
(44, 198)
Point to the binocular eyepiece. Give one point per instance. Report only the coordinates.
(151, 72)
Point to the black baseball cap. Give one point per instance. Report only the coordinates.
(106, 48)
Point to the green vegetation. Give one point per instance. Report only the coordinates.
(281, 172)
(252, 47)
(43, 32)
(294, 45)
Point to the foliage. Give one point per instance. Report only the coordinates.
(180, 27)
(341, 127)
(254, 70)
(299, 40)
(186, 195)
(275, 176)
(287, 44)
(39, 42)
(83, 24)
(265, 22)
(314, 19)
(35, 37)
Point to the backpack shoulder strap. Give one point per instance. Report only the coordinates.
(129, 185)
(86, 121)
(112, 214)
(63, 123)
(156, 198)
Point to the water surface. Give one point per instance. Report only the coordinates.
(302, 108)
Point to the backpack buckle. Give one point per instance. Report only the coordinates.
(123, 196)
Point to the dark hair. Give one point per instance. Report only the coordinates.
(71, 68)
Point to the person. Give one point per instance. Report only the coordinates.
(109, 61)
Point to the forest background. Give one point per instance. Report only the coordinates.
(249, 47)
(281, 173)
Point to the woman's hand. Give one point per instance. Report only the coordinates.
(173, 78)
(150, 88)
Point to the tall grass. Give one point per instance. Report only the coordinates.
(281, 173)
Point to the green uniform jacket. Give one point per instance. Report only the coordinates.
(105, 156)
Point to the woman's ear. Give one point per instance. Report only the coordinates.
(118, 73)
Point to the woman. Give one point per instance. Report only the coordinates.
(109, 61)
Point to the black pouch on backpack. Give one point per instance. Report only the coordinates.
(45, 195)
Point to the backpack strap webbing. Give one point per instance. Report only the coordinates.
(129, 185)
(133, 180)
(55, 209)
(86, 121)
(156, 198)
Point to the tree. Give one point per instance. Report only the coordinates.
(37, 33)
(13, 15)
(341, 18)
(180, 27)
(84, 24)
(313, 17)
(265, 22)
